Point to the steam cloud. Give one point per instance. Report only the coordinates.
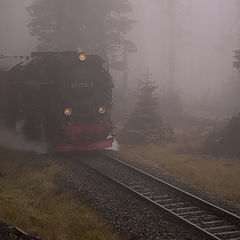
(14, 140)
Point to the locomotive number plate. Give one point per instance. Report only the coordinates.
(81, 84)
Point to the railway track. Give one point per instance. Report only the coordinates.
(208, 219)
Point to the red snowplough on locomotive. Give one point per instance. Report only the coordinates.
(62, 98)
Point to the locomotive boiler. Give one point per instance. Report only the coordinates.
(62, 98)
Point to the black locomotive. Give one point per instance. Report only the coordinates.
(63, 98)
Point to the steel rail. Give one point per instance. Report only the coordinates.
(215, 232)
(232, 216)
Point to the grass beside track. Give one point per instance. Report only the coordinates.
(31, 200)
(217, 175)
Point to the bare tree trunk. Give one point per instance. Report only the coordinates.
(171, 53)
(125, 70)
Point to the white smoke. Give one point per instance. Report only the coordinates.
(14, 140)
(115, 146)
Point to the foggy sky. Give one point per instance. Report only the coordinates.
(14, 37)
(206, 33)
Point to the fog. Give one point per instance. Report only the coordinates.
(101, 95)
(16, 141)
(204, 33)
(14, 36)
(187, 44)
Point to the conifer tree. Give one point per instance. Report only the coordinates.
(236, 63)
(145, 124)
(97, 26)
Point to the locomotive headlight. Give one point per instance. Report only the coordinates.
(82, 57)
(101, 110)
(68, 111)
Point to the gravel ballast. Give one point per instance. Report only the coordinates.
(188, 187)
(129, 216)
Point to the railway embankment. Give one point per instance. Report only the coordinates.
(57, 197)
(129, 215)
(206, 218)
(217, 176)
(187, 161)
(32, 200)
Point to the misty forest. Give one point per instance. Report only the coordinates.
(87, 86)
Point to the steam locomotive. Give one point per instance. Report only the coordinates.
(62, 98)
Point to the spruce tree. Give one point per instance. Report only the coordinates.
(96, 26)
(145, 124)
(236, 63)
